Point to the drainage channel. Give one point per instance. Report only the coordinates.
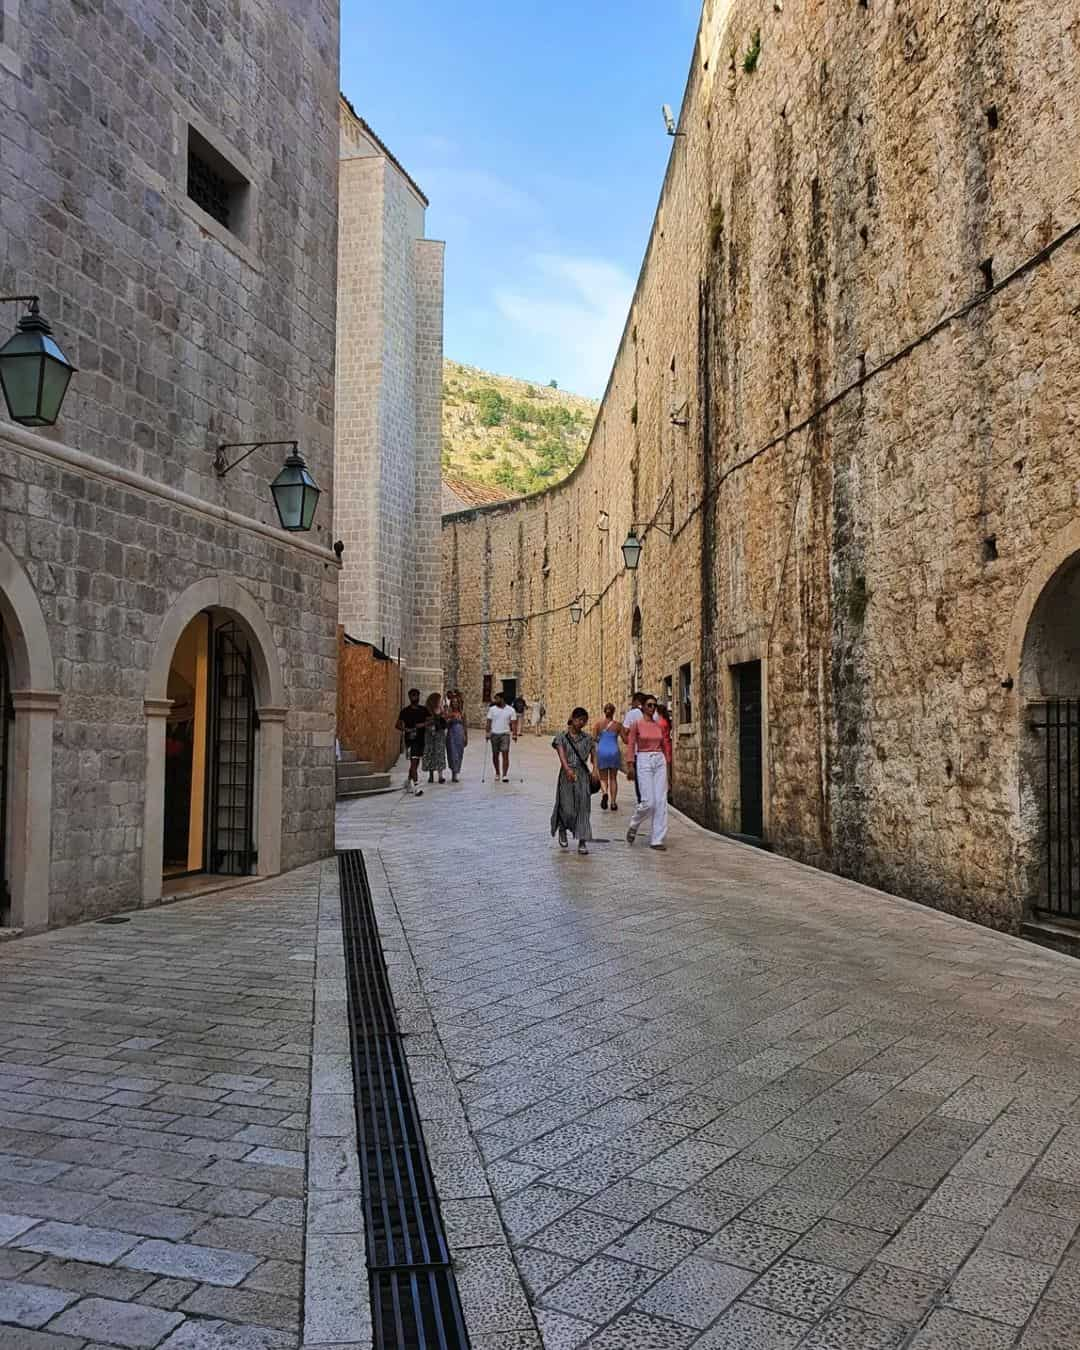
(414, 1296)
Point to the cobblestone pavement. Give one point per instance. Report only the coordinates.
(154, 1145)
(714, 1099)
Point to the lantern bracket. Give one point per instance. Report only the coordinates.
(222, 465)
(32, 302)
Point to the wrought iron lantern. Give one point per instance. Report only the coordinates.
(34, 372)
(631, 550)
(295, 493)
(576, 611)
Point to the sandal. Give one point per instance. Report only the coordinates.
(603, 802)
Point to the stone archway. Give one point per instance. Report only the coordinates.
(34, 700)
(226, 597)
(1044, 665)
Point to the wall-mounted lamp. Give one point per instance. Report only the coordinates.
(510, 630)
(670, 125)
(339, 548)
(34, 372)
(679, 416)
(577, 607)
(631, 549)
(604, 522)
(295, 493)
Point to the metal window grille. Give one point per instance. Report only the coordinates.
(1057, 723)
(208, 189)
(232, 777)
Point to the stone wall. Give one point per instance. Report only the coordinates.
(856, 493)
(187, 334)
(389, 401)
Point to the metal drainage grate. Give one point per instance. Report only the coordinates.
(414, 1296)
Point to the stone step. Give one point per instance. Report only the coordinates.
(357, 782)
(344, 794)
(350, 768)
(348, 757)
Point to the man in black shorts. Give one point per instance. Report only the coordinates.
(411, 722)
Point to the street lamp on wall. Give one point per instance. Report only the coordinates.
(295, 493)
(577, 606)
(34, 372)
(631, 550)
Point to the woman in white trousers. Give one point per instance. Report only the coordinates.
(648, 753)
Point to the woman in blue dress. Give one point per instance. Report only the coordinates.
(608, 758)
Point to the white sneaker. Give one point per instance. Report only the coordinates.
(506, 780)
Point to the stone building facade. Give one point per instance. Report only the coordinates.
(389, 401)
(168, 181)
(843, 415)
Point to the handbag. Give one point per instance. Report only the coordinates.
(594, 783)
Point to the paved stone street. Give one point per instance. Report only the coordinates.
(715, 1099)
(704, 1099)
(154, 1129)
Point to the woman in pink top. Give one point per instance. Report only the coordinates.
(648, 746)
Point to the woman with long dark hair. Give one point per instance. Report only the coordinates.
(577, 774)
(457, 736)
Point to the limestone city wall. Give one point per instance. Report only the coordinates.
(866, 527)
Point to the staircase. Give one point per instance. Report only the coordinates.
(358, 778)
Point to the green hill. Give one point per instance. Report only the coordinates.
(517, 435)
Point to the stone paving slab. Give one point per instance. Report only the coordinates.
(155, 1083)
(720, 1100)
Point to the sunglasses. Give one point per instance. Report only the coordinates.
(651, 703)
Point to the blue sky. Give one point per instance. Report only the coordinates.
(535, 130)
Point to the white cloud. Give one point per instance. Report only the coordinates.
(575, 312)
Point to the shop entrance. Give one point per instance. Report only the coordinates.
(751, 781)
(7, 717)
(210, 752)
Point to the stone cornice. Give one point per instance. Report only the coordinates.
(35, 700)
(42, 448)
(271, 714)
(157, 707)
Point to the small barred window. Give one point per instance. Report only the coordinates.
(216, 186)
(207, 188)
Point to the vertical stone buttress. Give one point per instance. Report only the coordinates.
(426, 652)
(357, 450)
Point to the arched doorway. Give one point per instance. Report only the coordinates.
(215, 723)
(1050, 747)
(7, 718)
(211, 752)
(28, 706)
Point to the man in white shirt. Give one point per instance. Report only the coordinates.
(500, 727)
(633, 714)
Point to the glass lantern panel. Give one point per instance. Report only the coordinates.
(55, 378)
(21, 377)
(311, 501)
(288, 498)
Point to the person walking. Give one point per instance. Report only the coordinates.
(664, 717)
(520, 709)
(577, 774)
(435, 740)
(500, 727)
(608, 757)
(633, 714)
(457, 736)
(411, 723)
(649, 751)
